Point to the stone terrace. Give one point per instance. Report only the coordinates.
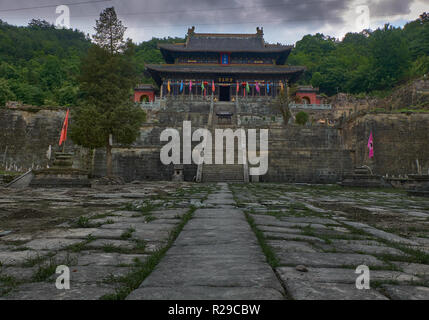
(213, 241)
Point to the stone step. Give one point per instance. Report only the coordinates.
(223, 172)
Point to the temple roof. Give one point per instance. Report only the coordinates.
(223, 42)
(159, 70)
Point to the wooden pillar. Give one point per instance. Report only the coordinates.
(162, 87)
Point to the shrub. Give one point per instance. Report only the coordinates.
(301, 118)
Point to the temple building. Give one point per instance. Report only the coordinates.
(224, 67)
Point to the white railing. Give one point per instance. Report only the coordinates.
(151, 105)
(310, 106)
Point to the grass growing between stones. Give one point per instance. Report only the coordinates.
(266, 249)
(127, 234)
(46, 270)
(78, 247)
(7, 284)
(411, 255)
(140, 248)
(142, 270)
(31, 262)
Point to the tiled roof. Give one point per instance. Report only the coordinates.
(225, 42)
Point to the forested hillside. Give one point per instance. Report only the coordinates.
(39, 64)
(365, 62)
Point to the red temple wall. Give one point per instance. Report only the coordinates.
(312, 96)
(139, 94)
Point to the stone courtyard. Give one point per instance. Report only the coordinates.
(167, 240)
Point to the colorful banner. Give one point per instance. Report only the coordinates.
(371, 146)
(63, 136)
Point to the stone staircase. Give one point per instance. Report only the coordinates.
(224, 172)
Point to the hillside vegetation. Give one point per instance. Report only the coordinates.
(40, 64)
(366, 62)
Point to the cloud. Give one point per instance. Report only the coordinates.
(389, 7)
(280, 18)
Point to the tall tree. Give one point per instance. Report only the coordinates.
(110, 31)
(106, 81)
(282, 103)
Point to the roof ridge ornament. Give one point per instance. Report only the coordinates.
(191, 31)
(260, 31)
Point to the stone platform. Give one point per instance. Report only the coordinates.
(239, 241)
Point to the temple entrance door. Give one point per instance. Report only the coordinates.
(224, 93)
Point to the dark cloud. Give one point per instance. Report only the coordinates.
(160, 16)
(389, 7)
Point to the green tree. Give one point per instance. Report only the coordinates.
(301, 118)
(282, 103)
(390, 57)
(106, 81)
(110, 31)
(6, 93)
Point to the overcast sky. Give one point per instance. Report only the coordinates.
(284, 21)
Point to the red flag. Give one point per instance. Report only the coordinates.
(238, 87)
(213, 86)
(63, 137)
(371, 146)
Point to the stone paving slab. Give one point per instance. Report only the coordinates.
(19, 273)
(221, 250)
(272, 221)
(407, 292)
(311, 220)
(10, 258)
(327, 259)
(414, 268)
(278, 229)
(151, 235)
(288, 236)
(48, 291)
(74, 233)
(204, 237)
(359, 247)
(305, 290)
(380, 233)
(340, 275)
(100, 243)
(216, 271)
(50, 243)
(108, 259)
(290, 246)
(205, 293)
(93, 274)
(108, 233)
(169, 213)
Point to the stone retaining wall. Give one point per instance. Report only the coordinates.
(296, 153)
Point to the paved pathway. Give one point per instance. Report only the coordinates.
(216, 256)
(315, 236)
